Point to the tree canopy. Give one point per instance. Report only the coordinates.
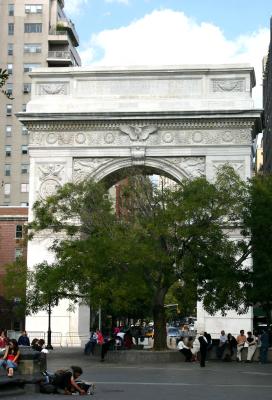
(128, 263)
(259, 222)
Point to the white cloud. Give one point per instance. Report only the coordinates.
(169, 37)
(73, 6)
(118, 1)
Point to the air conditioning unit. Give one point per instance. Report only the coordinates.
(26, 90)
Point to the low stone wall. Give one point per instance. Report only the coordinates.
(31, 362)
(160, 357)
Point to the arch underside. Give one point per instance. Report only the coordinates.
(117, 169)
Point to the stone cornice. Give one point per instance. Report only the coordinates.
(78, 125)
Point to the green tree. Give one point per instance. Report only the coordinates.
(3, 80)
(164, 237)
(259, 222)
(14, 285)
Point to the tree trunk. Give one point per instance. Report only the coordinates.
(159, 321)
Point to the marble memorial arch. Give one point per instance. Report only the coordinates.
(184, 121)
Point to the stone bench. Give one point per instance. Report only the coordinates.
(28, 374)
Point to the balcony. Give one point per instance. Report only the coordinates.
(67, 25)
(59, 58)
(58, 37)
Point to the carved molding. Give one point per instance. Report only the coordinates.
(56, 88)
(228, 85)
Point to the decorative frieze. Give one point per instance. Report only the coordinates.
(153, 136)
(54, 88)
(228, 85)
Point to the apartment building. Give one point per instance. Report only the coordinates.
(267, 105)
(34, 33)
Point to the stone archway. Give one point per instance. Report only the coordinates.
(93, 123)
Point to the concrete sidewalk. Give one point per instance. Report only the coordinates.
(163, 381)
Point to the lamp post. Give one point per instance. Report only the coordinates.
(49, 345)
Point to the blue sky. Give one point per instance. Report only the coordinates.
(234, 17)
(170, 32)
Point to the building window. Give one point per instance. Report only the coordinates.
(10, 49)
(11, 10)
(27, 88)
(10, 29)
(9, 109)
(7, 169)
(10, 68)
(32, 48)
(8, 130)
(24, 168)
(19, 231)
(24, 187)
(9, 88)
(24, 149)
(33, 28)
(24, 107)
(8, 150)
(30, 67)
(18, 253)
(33, 9)
(24, 130)
(7, 189)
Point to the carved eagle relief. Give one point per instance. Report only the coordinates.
(138, 133)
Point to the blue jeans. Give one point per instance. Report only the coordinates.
(263, 354)
(8, 364)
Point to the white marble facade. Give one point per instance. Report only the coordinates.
(183, 121)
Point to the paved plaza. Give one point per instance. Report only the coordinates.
(218, 380)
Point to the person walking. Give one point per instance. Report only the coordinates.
(203, 348)
(241, 340)
(252, 345)
(264, 338)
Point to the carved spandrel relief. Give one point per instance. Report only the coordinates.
(54, 88)
(50, 178)
(193, 166)
(84, 168)
(238, 166)
(228, 85)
